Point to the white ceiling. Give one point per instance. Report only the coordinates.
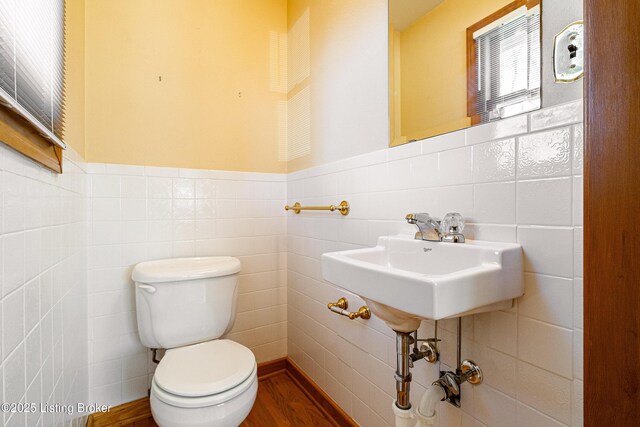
(403, 13)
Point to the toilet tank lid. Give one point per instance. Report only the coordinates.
(179, 269)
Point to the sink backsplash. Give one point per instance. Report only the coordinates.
(518, 180)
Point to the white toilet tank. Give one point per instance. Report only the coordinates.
(185, 301)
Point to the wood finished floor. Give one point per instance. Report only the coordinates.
(280, 403)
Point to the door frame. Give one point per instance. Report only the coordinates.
(612, 213)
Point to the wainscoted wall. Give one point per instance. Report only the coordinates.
(44, 295)
(145, 213)
(518, 180)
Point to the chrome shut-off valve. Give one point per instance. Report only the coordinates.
(468, 371)
(427, 351)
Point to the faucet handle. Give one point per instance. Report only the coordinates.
(452, 223)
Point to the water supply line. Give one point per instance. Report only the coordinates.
(459, 346)
(466, 371)
(155, 356)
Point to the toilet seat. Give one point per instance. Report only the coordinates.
(204, 374)
(203, 401)
(230, 413)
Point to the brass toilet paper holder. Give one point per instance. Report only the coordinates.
(341, 306)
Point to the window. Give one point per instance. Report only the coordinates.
(31, 78)
(503, 52)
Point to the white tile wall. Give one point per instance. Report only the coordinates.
(68, 243)
(43, 218)
(144, 213)
(518, 180)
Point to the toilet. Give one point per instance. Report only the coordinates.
(185, 305)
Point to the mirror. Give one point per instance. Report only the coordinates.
(458, 63)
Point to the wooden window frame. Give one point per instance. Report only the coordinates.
(472, 60)
(19, 134)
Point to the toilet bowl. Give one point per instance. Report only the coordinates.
(185, 306)
(209, 384)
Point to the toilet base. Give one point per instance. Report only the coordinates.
(228, 414)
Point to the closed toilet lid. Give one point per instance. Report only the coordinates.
(204, 369)
(181, 269)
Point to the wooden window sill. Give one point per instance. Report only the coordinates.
(20, 135)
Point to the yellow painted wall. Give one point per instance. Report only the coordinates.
(183, 83)
(433, 67)
(74, 75)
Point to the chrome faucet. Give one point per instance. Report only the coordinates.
(447, 230)
(426, 225)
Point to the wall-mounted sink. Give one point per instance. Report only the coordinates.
(404, 280)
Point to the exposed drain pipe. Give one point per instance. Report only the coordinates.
(447, 387)
(403, 376)
(426, 413)
(405, 415)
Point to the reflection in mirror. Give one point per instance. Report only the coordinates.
(458, 63)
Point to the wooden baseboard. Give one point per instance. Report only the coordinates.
(272, 367)
(139, 410)
(319, 397)
(122, 415)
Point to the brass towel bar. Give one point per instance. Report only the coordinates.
(343, 208)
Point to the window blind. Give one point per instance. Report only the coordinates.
(508, 66)
(32, 63)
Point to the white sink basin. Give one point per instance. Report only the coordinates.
(404, 280)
